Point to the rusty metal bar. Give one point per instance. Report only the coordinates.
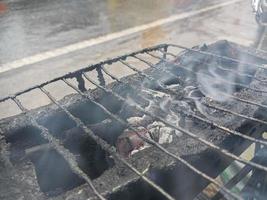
(152, 142)
(55, 143)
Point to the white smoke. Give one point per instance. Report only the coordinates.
(212, 82)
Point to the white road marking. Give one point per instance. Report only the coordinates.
(102, 39)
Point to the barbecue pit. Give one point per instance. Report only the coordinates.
(166, 132)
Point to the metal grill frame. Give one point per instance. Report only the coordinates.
(81, 76)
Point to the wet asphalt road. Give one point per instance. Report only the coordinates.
(33, 26)
(30, 27)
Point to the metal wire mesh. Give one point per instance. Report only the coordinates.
(161, 56)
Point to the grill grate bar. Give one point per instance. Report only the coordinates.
(214, 107)
(148, 140)
(188, 133)
(159, 83)
(205, 74)
(139, 72)
(263, 142)
(105, 146)
(78, 72)
(213, 124)
(234, 113)
(153, 66)
(102, 143)
(235, 84)
(70, 158)
(238, 99)
(152, 142)
(218, 56)
(56, 144)
(236, 72)
(21, 107)
(244, 100)
(113, 76)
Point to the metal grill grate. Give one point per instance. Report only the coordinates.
(161, 54)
